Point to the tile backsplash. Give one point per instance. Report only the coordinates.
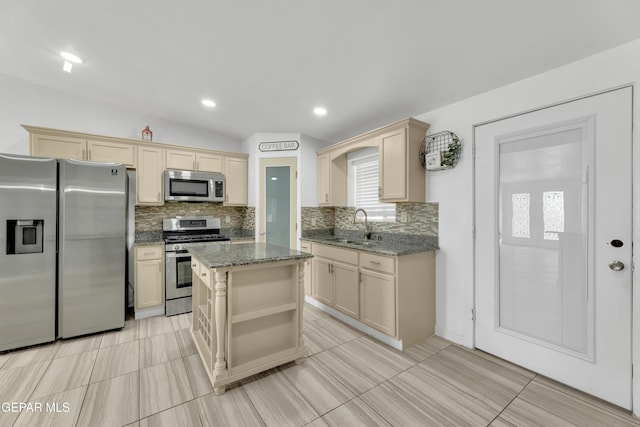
(422, 219)
(149, 218)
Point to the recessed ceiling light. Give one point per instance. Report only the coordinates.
(320, 111)
(69, 60)
(71, 57)
(208, 103)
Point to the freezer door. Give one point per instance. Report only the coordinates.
(27, 276)
(92, 247)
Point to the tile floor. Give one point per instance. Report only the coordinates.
(149, 374)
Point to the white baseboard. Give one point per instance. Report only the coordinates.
(392, 342)
(149, 312)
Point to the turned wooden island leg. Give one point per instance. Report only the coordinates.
(220, 367)
(300, 308)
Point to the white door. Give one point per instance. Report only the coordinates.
(553, 242)
(278, 201)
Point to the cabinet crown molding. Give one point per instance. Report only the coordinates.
(38, 130)
(345, 146)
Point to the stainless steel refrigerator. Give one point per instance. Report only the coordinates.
(62, 270)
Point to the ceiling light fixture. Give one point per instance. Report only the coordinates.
(319, 111)
(69, 60)
(208, 103)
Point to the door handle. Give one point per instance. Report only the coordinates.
(616, 265)
(262, 232)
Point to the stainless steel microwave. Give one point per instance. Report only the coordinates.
(188, 186)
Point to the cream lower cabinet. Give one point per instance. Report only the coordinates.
(149, 276)
(308, 268)
(393, 294)
(335, 278)
(149, 176)
(378, 301)
(322, 281)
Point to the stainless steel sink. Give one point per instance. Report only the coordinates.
(351, 242)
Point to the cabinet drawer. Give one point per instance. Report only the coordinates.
(334, 253)
(149, 252)
(305, 247)
(377, 262)
(195, 266)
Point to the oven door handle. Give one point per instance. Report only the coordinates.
(179, 254)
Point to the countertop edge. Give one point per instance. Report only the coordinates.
(382, 248)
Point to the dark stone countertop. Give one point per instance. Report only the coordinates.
(217, 255)
(393, 248)
(144, 238)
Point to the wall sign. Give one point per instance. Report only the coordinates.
(279, 146)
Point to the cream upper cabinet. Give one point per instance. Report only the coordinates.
(67, 147)
(332, 180)
(324, 183)
(392, 153)
(236, 171)
(194, 161)
(181, 160)
(58, 146)
(149, 176)
(209, 162)
(149, 276)
(99, 151)
(401, 177)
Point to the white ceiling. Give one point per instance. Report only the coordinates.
(267, 64)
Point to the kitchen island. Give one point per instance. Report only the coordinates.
(247, 308)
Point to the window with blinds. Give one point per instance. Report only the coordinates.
(363, 173)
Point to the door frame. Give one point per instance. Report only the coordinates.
(635, 191)
(292, 162)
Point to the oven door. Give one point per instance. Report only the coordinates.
(178, 275)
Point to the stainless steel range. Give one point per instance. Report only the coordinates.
(178, 234)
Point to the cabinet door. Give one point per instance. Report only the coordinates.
(324, 180)
(58, 147)
(181, 160)
(308, 269)
(236, 172)
(208, 162)
(149, 284)
(149, 176)
(346, 289)
(111, 152)
(322, 281)
(393, 166)
(378, 301)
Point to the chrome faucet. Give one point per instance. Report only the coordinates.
(365, 233)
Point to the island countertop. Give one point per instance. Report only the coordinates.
(217, 255)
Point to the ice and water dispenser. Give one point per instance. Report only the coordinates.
(24, 236)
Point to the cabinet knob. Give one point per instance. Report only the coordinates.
(204, 274)
(379, 191)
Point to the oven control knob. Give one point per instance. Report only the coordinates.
(176, 247)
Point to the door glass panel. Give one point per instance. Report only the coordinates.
(543, 287)
(278, 203)
(183, 272)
